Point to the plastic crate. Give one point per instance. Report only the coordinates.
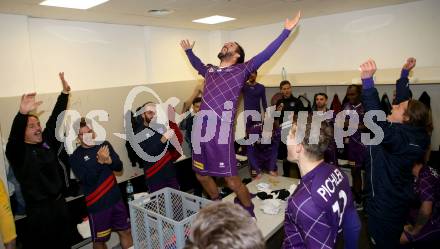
(163, 219)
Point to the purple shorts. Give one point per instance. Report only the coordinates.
(264, 156)
(356, 151)
(114, 218)
(216, 158)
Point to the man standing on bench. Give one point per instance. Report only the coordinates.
(223, 85)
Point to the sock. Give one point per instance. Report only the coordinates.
(249, 209)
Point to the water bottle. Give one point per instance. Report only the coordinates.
(283, 74)
(129, 189)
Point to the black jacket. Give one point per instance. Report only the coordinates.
(386, 105)
(389, 164)
(36, 166)
(163, 169)
(290, 104)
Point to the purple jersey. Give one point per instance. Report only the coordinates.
(427, 188)
(253, 96)
(319, 209)
(225, 84)
(356, 149)
(222, 89)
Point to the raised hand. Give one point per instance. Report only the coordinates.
(171, 114)
(368, 69)
(410, 63)
(28, 103)
(169, 134)
(66, 87)
(289, 24)
(103, 155)
(185, 44)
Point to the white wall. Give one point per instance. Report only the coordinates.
(341, 42)
(93, 55)
(16, 72)
(166, 60)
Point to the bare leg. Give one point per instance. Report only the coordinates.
(125, 238)
(242, 192)
(99, 245)
(273, 173)
(209, 186)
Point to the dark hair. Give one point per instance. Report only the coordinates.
(284, 82)
(147, 103)
(358, 88)
(240, 51)
(418, 115)
(320, 94)
(197, 100)
(82, 122)
(314, 151)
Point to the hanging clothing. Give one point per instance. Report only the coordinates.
(386, 105)
(425, 99)
(306, 103)
(277, 96)
(336, 105)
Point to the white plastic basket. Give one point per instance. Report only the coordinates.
(162, 220)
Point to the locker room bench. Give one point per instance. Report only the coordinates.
(268, 224)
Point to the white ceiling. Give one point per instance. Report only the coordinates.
(248, 12)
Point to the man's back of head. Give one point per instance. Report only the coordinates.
(224, 225)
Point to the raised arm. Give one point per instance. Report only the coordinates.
(15, 145)
(371, 101)
(197, 90)
(370, 96)
(60, 106)
(402, 84)
(193, 59)
(258, 60)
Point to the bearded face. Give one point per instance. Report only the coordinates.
(229, 50)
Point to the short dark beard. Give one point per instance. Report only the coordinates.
(147, 121)
(222, 56)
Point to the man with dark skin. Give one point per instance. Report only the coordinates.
(355, 149)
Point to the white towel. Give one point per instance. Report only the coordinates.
(84, 229)
(271, 206)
